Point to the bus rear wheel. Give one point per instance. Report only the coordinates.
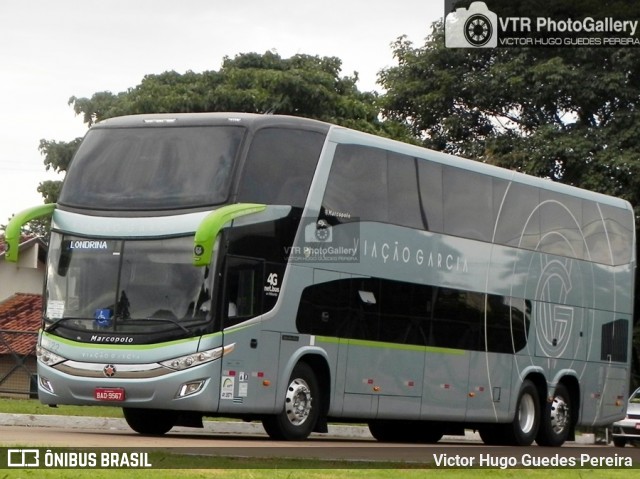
(149, 422)
(524, 428)
(556, 423)
(301, 407)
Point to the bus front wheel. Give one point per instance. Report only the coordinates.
(149, 422)
(301, 407)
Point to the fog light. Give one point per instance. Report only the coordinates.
(187, 389)
(46, 384)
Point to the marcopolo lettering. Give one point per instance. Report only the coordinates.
(111, 339)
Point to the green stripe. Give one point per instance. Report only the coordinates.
(131, 347)
(382, 345)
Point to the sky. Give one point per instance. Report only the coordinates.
(51, 50)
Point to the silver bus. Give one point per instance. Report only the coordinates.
(294, 272)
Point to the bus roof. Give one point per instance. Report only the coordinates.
(340, 134)
(347, 136)
(250, 120)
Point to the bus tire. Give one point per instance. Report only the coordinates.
(524, 428)
(301, 407)
(492, 434)
(556, 421)
(388, 431)
(423, 432)
(149, 422)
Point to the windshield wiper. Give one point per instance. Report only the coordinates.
(59, 321)
(167, 320)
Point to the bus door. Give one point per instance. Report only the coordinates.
(452, 330)
(385, 363)
(246, 295)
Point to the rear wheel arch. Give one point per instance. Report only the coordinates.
(560, 416)
(320, 367)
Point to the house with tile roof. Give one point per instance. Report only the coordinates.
(27, 275)
(20, 319)
(20, 316)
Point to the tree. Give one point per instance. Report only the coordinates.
(568, 114)
(302, 85)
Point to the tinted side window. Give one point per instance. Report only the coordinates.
(406, 208)
(407, 313)
(468, 204)
(560, 225)
(508, 321)
(608, 233)
(280, 166)
(430, 181)
(357, 186)
(519, 221)
(372, 184)
(458, 319)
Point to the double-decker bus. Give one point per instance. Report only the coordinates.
(294, 272)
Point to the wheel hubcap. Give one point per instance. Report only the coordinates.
(559, 415)
(527, 414)
(298, 402)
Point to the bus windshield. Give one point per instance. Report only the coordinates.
(152, 168)
(135, 287)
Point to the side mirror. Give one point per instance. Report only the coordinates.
(212, 224)
(12, 232)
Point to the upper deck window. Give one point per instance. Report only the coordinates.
(155, 168)
(280, 166)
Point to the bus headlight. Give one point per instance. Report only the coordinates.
(47, 357)
(196, 359)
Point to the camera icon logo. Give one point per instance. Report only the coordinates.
(318, 232)
(474, 27)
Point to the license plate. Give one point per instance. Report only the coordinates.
(109, 394)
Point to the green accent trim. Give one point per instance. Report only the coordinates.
(131, 347)
(12, 231)
(211, 225)
(239, 327)
(383, 345)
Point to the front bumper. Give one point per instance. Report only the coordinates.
(158, 389)
(628, 429)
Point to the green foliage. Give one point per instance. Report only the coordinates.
(568, 114)
(303, 85)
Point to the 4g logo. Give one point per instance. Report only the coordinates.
(272, 289)
(272, 279)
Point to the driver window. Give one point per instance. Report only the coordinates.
(243, 280)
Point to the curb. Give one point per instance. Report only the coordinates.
(212, 427)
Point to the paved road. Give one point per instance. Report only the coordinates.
(249, 440)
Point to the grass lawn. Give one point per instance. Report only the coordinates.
(190, 466)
